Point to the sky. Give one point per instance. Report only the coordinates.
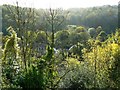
(60, 3)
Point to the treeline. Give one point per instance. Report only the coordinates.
(105, 16)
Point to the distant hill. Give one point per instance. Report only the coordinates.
(105, 16)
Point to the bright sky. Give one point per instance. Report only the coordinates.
(60, 3)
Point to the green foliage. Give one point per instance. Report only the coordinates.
(80, 35)
(105, 16)
(99, 29)
(104, 64)
(37, 54)
(10, 58)
(114, 71)
(92, 32)
(102, 36)
(62, 39)
(80, 29)
(32, 79)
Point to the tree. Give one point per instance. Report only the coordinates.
(54, 20)
(80, 29)
(92, 32)
(115, 69)
(102, 36)
(79, 34)
(10, 63)
(99, 29)
(62, 39)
